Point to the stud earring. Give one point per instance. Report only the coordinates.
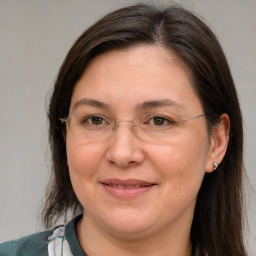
(215, 166)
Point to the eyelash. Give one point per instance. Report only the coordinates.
(165, 120)
(87, 118)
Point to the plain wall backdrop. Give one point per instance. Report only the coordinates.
(35, 37)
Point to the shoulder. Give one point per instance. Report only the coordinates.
(35, 244)
(61, 239)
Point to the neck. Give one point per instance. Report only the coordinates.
(95, 242)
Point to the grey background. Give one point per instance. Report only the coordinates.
(35, 36)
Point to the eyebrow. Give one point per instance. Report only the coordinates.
(143, 106)
(159, 103)
(91, 102)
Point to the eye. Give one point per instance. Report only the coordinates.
(94, 120)
(160, 121)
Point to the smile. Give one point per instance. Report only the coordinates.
(126, 186)
(126, 189)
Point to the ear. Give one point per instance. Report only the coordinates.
(219, 142)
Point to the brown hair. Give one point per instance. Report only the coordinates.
(217, 227)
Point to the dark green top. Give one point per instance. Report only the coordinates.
(62, 239)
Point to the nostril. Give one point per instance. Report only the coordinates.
(131, 163)
(124, 164)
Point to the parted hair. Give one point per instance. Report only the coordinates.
(217, 228)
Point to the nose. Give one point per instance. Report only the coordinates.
(124, 147)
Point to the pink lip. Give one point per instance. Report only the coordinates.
(125, 189)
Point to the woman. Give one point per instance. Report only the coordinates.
(147, 142)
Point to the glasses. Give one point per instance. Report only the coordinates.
(151, 126)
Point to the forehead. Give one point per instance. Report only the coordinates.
(128, 77)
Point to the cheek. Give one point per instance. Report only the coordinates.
(83, 162)
(181, 164)
(83, 158)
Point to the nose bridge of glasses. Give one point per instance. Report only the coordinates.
(117, 121)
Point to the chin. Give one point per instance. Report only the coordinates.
(129, 227)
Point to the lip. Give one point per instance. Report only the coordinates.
(125, 189)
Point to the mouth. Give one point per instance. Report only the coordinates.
(126, 186)
(125, 189)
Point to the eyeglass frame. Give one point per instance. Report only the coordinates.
(115, 121)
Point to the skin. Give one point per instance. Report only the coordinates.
(157, 222)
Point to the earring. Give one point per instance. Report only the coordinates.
(215, 166)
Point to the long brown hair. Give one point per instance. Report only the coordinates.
(217, 228)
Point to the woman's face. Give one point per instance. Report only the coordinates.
(131, 186)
